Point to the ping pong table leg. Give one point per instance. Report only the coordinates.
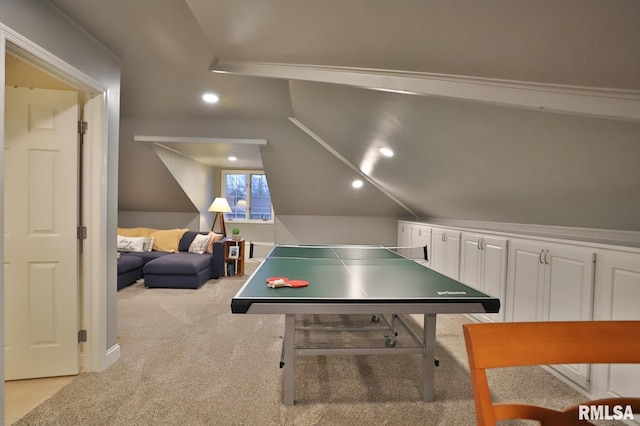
(288, 377)
(428, 357)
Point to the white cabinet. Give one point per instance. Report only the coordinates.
(414, 240)
(483, 266)
(617, 298)
(404, 237)
(445, 252)
(420, 243)
(551, 282)
(545, 280)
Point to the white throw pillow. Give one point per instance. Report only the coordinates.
(148, 244)
(199, 244)
(130, 243)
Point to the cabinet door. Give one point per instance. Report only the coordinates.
(471, 260)
(526, 278)
(569, 295)
(569, 283)
(452, 263)
(617, 296)
(404, 237)
(494, 272)
(420, 237)
(438, 250)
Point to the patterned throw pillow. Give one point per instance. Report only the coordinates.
(199, 244)
(130, 243)
(213, 238)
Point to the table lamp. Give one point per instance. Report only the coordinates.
(220, 206)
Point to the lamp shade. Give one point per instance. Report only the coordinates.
(220, 205)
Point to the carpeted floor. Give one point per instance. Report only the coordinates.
(186, 360)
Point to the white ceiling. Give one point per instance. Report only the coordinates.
(239, 154)
(509, 117)
(168, 46)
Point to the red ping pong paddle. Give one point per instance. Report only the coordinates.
(275, 282)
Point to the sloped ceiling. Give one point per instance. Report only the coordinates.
(459, 155)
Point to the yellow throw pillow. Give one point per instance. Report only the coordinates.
(147, 232)
(167, 239)
(214, 237)
(130, 232)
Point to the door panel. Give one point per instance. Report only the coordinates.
(470, 263)
(41, 249)
(527, 277)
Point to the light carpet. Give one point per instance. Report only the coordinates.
(186, 360)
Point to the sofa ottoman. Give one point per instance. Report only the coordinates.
(179, 270)
(129, 270)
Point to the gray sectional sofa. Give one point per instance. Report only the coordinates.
(177, 269)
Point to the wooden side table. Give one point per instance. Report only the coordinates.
(233, 258)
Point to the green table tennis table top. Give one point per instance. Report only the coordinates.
(352, 274)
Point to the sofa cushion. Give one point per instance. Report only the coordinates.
(128, 263)
(187, 239)
(146, 256)
(179, 264)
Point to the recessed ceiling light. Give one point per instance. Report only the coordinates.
(232, 158)
(210, 98)
(387, 152)
(357, 183)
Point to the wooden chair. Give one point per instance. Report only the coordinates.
(540, 343)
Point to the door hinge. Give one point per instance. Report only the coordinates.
(82, 127)
(82, 336)
(82, 232)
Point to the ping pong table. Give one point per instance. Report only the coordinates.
(369, 280)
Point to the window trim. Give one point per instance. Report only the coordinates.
(223, 192)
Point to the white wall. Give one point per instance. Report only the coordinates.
(160, 220)
(292, 229)
(196, 180)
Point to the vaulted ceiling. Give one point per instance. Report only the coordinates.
(524, 112)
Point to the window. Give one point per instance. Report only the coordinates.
(247, 193)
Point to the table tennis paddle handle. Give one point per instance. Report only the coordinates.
(276, 282)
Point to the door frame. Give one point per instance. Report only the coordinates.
(95, 354)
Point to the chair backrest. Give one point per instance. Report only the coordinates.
(539, 343)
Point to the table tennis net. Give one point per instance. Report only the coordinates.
(261, 250)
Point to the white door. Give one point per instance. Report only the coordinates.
(40, 237)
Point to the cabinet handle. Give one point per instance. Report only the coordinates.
(546, 257)
(540, 258)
